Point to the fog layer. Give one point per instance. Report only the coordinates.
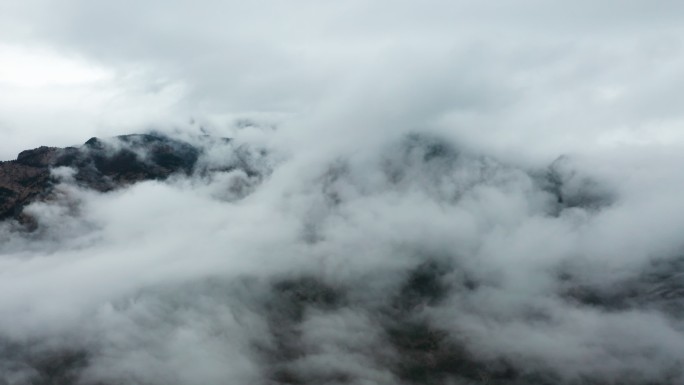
(411, 261)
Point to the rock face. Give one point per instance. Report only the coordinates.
(98, 164)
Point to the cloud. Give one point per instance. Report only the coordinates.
(575, 77)
(393, 206)
(418, 261)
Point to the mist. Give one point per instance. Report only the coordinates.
(378, 193)
(416, 261)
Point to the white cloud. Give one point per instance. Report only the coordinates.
(397, 135)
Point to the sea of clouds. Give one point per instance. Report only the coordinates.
(443, 192)
(265, 266)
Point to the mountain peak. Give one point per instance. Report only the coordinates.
(99, 164)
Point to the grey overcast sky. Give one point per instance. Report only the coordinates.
(564, 75)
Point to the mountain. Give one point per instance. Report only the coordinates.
(367, 279)
(97, 164)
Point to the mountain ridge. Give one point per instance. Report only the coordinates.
(98, 164)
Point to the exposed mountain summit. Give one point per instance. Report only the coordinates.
(97, 164)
